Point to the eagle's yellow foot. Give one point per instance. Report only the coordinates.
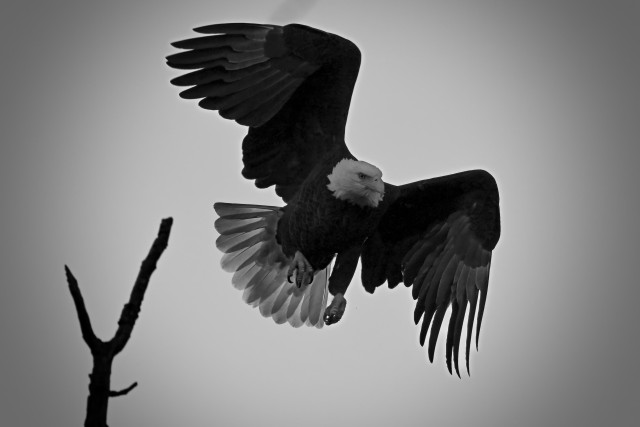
(334, 312)
(302, 268)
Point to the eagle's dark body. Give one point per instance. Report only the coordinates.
(292, 87)
(321, 226)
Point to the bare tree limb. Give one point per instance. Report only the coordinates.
(104, 352)
(123, 391)
(85, 323)
(131, 310)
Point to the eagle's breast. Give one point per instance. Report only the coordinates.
(320, 225)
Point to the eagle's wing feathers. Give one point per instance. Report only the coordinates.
(437, 236)
(291, 85)
(246, 71)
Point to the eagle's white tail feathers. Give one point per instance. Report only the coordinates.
(251, 252)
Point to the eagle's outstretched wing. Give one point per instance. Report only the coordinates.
(291, 85)
(437, 236)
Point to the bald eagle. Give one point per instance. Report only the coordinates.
(291, 86)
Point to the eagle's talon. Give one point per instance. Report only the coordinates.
(302, 268)
(335, 310)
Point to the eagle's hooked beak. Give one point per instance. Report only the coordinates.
(378, 186)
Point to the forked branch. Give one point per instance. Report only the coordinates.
(104, 352)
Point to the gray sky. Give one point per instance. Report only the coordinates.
(97, 148)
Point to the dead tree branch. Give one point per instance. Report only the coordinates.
(85, 323)
(104, 352)
(123, 391)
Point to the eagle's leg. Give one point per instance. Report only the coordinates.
(335, 310)
(302, 268)
(343, 271)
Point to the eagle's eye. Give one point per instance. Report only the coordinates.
(361, 175)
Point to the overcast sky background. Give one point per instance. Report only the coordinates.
(98, 148)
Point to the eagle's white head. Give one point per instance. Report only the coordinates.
(357, 182)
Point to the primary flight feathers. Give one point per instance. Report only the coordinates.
(247, 72)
